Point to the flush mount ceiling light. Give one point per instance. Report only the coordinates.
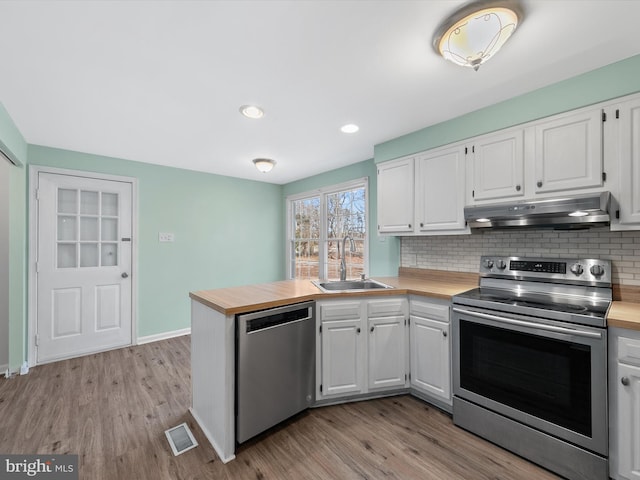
(474, 33)
(264, 164)
(251, 111)
(349, 128)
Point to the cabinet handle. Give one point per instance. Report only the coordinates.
(518, 187)
(539, 184)
(444, 334)
(358, 330)
(409, 225)
(421, 224)
(372, 328)
(625, 381)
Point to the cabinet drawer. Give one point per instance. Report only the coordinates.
(629, 351)
(386, 308)
(430, 310)
(340, 311)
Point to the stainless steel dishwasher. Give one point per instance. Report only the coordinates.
(275, 366)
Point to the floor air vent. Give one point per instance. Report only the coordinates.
(181, 439)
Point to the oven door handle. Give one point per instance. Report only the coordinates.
(523, 323)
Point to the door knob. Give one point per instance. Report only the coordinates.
(124, 275)
(444, 334)
(625, 381)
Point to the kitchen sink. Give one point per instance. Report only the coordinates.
(349, 285)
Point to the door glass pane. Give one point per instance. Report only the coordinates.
(89, 203)
(67, 201)
(109, 254)
(88, 228)
(67, 228)
(89, 255)
(110, 204)
(110, 229)
(67, 255)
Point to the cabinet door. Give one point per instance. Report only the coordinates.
(430, 357)
(395, 196)
(628, 138)
(497, 161)
(440, 184)
(342, 370)
(387, 352)
(568, 152)
(628, 425)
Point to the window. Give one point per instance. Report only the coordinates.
(318, 222)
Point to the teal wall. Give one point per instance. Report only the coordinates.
(14, 145)
(228, 232)
(615, 80)
(384, 252)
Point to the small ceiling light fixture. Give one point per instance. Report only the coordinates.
(264, 164)
(349, 128)
(473, 34)
(251, 111)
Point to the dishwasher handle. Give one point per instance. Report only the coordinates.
(260, 321)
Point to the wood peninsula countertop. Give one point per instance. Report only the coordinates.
(624, 311)
(430, 283)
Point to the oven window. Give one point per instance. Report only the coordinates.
(547, 378)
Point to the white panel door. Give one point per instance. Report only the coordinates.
(628, 421)
(497, 165)
(342, 367)
(568, 152)
(395, 196)
(387, 352)
(629, 144)
(83, 266)
(440, 184)
(430, 364)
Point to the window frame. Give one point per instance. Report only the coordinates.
(323, 192)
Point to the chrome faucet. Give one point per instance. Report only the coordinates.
(343, 264)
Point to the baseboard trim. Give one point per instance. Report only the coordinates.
(214, 444)
(164, 336)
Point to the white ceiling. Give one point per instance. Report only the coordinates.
(161, 81)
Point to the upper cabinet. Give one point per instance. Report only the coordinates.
(395, 196)
(625, 127)
(439, 190)
(567, 152)
(496, 165)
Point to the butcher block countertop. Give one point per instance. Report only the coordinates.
(430, 283)
(624, 311)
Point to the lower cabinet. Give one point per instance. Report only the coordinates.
(624, 404)
(430, 349)
(361, 347)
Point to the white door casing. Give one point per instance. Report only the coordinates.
(83, 265)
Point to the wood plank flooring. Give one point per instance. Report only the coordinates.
(112, 409)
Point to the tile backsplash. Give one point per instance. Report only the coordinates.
(461, 253)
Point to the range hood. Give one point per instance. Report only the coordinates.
(570, 212)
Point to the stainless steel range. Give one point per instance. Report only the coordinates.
(530, 361)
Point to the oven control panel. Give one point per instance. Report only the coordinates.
(590, 271)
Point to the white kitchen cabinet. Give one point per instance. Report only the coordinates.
(387, 346)
(340, 349)
(342, 368)
(396, 196)
(568, 152)
(495, 163)
(430, 349)
(624, 404)
(625, 121)
(440, 190)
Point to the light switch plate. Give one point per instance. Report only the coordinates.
(166, 237)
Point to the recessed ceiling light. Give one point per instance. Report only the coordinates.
(251, 111)
(349, 128)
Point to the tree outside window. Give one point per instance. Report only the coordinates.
(318, 224)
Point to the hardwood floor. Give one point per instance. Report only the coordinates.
(112, 409)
